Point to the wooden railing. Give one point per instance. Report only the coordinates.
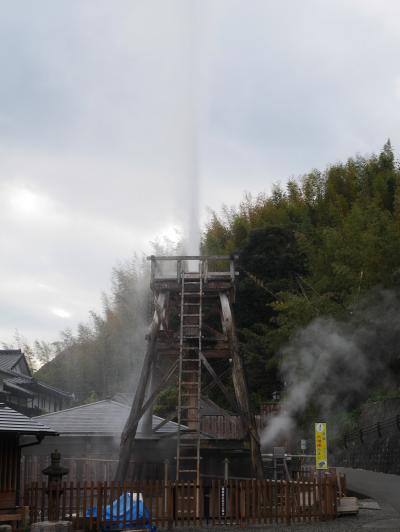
(230, 427)
(223, 427)
(211, 267)
(172, 504)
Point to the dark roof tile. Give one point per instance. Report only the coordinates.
(100, 418)
(13, 421)
(9, 358)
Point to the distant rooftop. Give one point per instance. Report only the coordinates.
(102, 418)
(9, 358)
(18, 377)
(15, 422)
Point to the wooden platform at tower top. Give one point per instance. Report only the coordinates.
(192, 345)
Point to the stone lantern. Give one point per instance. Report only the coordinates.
(54, 472)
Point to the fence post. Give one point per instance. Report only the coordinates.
(170, 508)
(333, 497)
(99, 504)
(242, 502)
(326, 497)
(344, 486)
(212, 502)
(166, 474)
(287, 499)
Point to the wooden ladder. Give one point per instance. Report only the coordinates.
(189, 379)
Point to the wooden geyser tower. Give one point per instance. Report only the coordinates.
(191, 343)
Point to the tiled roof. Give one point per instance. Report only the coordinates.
(123, 397)
(9, 383)
(101, 418)
(13, 421)
(19, 379)
(209, 408)
(31, 383)
(50, 388)
(9, 358)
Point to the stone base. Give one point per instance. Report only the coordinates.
(52, 526)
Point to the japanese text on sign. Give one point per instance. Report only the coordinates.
(321, 455)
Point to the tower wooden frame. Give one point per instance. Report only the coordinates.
(191, 333)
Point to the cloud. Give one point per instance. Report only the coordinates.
(61, 313)
(110, 111)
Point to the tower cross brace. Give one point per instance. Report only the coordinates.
(191, 343)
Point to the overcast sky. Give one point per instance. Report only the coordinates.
(110, 111)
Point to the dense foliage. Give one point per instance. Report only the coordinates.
(309, 249)
(105, 355)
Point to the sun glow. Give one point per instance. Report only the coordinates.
(61, 313)
(171, 233)
(24, 201)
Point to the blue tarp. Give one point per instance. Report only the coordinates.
(128, 502)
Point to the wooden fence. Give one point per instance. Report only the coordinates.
(224, 427)
(174, 504)
(230, 427)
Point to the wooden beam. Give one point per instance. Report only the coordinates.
(129, 432)
(166, 420)
(219, 335)
(174, 433)
(217, 353)
(159, 388)
(218, 381)
(208, 353)
(184, 432)
(211, 384)
(215, 344)
(147, 418)
(240, 387)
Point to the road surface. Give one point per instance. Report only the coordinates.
(380, 486)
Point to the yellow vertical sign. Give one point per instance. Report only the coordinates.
(321, 454)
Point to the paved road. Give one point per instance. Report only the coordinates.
(380, 486)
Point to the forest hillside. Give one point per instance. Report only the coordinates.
(325, 246)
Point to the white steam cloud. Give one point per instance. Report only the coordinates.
(191, 127)
(332, 363)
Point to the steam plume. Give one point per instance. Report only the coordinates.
(191, 126)
(333, 363)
